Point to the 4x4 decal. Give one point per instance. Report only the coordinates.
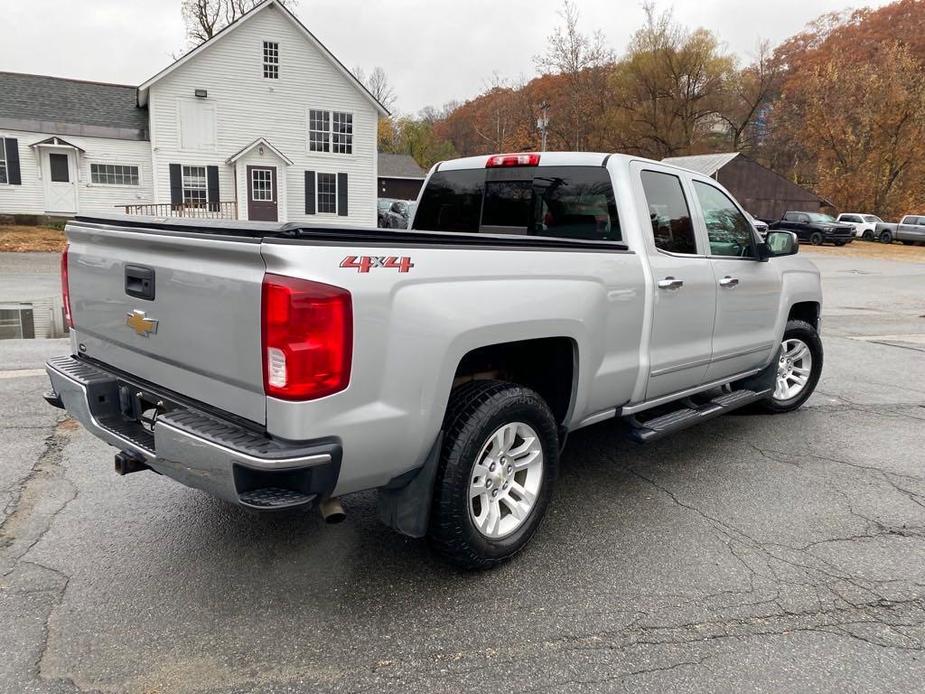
(365, 263)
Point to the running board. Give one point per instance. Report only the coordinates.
(687, 416)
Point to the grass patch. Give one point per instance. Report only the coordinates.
(871, 249)
(23, 239)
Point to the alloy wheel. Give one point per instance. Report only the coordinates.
(505, 480)
(793, 369)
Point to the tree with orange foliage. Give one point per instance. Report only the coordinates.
(850, 119)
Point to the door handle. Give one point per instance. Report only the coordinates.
(728, 281)
(670, 283)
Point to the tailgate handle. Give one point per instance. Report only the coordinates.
(139, 282)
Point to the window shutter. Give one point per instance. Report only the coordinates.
(176, 185)
(342, 194)
(309, 192)
(13, 176)
(212, 187)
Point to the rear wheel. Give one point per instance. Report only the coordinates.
(499, 460)
(908, 243)
(799, 366)
(816, 238)
(886, 237)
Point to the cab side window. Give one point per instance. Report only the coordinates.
(669, 213)
(730, 233)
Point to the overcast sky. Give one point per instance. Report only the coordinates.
(434, 51)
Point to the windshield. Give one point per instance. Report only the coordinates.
(872, 218)
(819, 217)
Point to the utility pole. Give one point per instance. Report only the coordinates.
(542, 123)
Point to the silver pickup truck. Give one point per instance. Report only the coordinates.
(910, 230)
(282, 365)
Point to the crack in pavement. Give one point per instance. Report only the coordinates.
(43, 494)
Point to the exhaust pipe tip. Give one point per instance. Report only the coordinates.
(332, 511)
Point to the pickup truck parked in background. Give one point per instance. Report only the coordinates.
(278, 365)
(815, 227)
(760, 226)
(865, 225)
(910, 230)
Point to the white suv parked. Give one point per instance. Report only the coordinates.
(865, 225)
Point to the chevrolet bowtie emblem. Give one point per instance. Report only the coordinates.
(140, 323)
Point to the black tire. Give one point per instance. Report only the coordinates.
(868, 235)
(908, 243)
(816, 238)
(476, 411)
(886, 237)
(797, 329)
(840, 243)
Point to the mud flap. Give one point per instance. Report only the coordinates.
(404, 503)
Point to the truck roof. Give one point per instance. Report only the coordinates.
(546, 159)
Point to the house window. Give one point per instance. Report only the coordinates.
(327, 193)
(3, 175)
(114, 174)
(343, 132)
(319, 131)
(271, 60)
(194, 186)
(330, 132)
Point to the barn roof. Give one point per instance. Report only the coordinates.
(399, 166)
(70, 107)
(706, 164)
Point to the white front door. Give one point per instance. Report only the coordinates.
(59, 171)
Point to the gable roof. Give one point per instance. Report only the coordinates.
(706, 164)
(399, 166)
(259, 141)
(143, 89)
(70, 107)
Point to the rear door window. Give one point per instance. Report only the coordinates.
(669, 213)
(557, 201)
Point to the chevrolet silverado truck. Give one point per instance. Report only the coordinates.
(815, 227)
(285, 365)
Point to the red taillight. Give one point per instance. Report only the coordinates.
(65, 291)
(500, 160)
(307, 338)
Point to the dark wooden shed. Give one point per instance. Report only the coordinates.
(400, 177)
(764, 193)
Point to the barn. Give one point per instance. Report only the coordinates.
(400, 177)
(764, 193)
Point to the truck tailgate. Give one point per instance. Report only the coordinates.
(204, 293)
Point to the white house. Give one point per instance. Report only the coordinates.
(260, 122)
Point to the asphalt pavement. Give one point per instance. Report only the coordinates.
(754, 553)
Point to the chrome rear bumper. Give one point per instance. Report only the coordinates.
(194, 447)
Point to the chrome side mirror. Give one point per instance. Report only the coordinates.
(780, 243)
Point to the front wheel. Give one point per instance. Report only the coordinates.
(499, 460)
(799, 366)
(816, 238)
(886, 237)
(868, 235)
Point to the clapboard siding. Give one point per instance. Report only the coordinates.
(249, 106)
(29, 198)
